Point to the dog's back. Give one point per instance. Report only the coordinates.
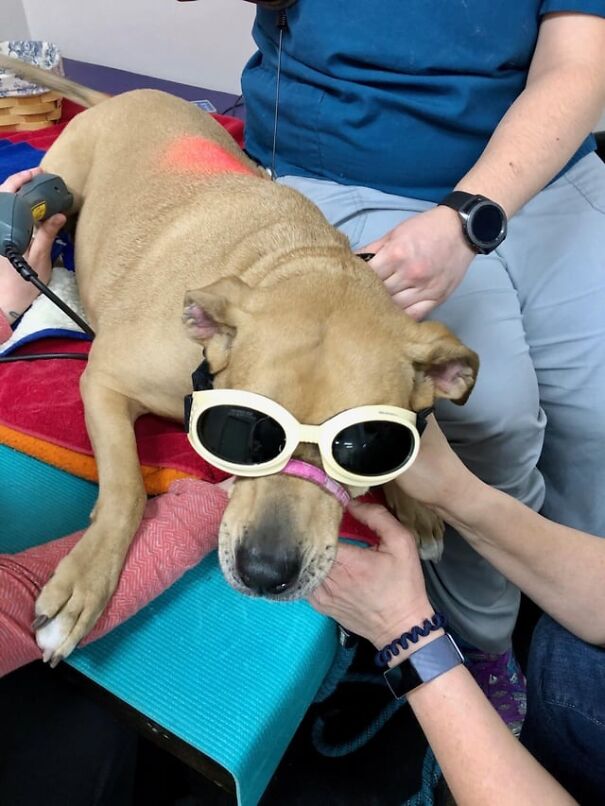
(136, 166)
(164, 194)
(168, 201)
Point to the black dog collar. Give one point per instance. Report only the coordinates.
(201, 380)
(421, 417)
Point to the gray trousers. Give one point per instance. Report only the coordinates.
(534, 425)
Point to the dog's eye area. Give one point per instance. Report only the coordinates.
(240, 434)
(373, 448)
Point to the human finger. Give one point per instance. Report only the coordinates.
(397, 284)
(44, 238)
(380, 520)
(13, 183)
(381, 264)
(417, 310)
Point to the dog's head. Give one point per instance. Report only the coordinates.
(317, 348)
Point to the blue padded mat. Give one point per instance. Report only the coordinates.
(230, 676)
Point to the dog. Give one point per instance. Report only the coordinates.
(169, 208)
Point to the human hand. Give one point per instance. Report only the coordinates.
(437, 478)
(376, 593)
(16, 295)
(422, 260)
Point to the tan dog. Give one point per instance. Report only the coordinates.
(280, 304)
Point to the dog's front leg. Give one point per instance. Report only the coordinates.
(426, 527)
(75, 596)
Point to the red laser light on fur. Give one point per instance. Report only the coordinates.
(190, 153)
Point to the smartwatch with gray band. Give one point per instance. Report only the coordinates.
(483, 221)
(423, 665)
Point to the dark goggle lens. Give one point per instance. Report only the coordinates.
(240, 435)
(373, 448)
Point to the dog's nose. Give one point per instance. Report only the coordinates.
(265, 572)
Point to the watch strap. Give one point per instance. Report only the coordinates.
(471, 211)
(427, 663)
(457, 199)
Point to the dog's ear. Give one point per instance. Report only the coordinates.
(211, 315)
(213, 309)
(443, 366)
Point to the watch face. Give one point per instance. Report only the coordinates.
(403, 678)
(486, 224)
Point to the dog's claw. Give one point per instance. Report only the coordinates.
(55, 661)
(39, 621)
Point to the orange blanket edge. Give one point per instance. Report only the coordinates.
(156, 479)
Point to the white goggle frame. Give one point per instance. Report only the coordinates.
(321, 435)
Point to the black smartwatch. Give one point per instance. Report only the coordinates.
(427, 663)
(483, 221)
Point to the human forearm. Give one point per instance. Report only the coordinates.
(561, 569)
(475, 750)
(380, 595)
(558, 567)
(563, 99)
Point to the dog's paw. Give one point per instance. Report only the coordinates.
(426, 527)
(69, 606)
(431, 547)
(428, 530)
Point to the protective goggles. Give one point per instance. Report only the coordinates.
(247, 434)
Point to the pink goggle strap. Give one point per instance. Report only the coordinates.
(303, 470)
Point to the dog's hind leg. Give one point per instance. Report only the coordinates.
(76, 595)
(70, 156)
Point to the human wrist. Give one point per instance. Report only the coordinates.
(392, 625)
(455, 491)
(423, 666)
(482, 220)
(404, 654)
(408, 634)
(467, 510)
(451, 225)
(6, 330)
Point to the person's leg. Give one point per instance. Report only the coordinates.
(498, 433)
(556, 259)
(565, 724)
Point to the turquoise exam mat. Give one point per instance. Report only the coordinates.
(231, 676)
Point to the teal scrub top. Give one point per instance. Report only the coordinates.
(397, 95)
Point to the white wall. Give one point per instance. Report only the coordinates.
(205, 43)
(13, 24)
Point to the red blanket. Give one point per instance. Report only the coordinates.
(41, 399)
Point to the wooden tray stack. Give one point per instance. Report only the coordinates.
(25, 113)
(24, 106)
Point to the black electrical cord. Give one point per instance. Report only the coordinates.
(40, 356)
(20, 264)
(237, 104)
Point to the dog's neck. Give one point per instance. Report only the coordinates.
(291, 262)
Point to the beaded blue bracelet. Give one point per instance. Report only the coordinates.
(383, 657)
